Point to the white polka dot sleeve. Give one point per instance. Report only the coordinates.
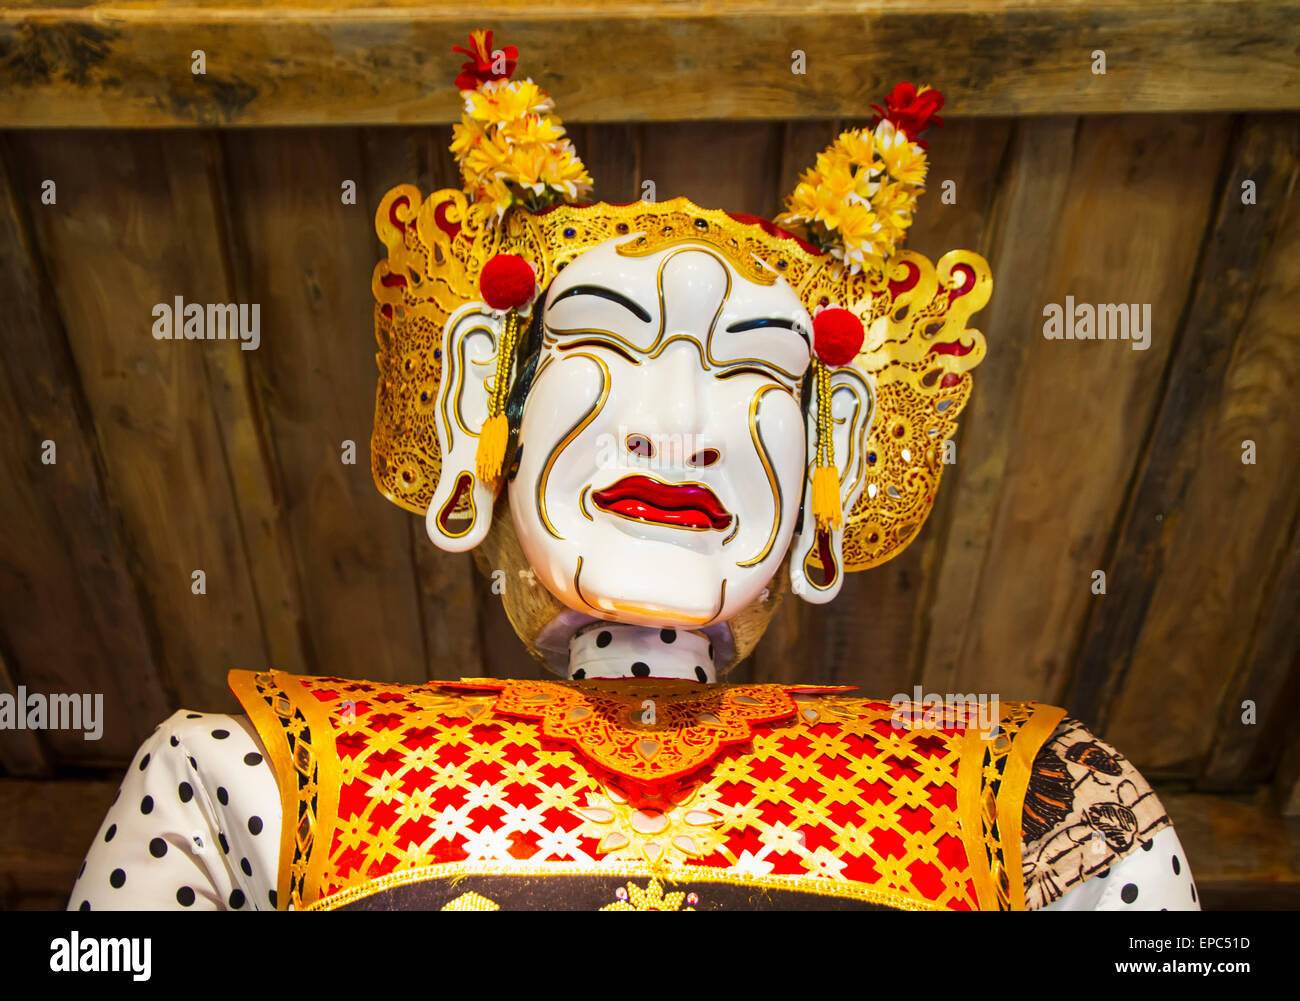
(195, 825)
(1154, 877)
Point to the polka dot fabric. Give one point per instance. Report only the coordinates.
(195, 826)
(1153, 877)
(618, 650)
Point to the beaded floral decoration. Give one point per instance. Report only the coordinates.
(509, 144)
(857, 201)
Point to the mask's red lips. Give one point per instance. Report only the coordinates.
(680, 505)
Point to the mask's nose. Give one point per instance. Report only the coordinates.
(672, 386)
(673, 400)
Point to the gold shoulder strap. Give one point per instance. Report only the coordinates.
(292, 730)
(994, 779)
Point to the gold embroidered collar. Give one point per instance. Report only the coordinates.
(647, 730)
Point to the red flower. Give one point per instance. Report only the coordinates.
(480, 67)
(912, 112)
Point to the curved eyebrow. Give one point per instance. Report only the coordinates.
(605, 293)
(766, 321)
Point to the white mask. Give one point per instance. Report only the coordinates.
(662, 444)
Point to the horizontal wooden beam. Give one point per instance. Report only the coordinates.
(74, 64)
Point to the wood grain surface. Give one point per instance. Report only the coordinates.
(303, 63)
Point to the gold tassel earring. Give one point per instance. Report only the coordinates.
(507, 283)
(826, 479)
(837, 338)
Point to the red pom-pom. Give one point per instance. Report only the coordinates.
(837, 336)
(507, 282)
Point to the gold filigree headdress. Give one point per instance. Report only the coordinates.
(522, 180)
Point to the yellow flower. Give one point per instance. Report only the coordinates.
(862, 239)
(894, 205)
(566, 173)
(906, 162)
(812, 177)
(805, 204)
(857, 145)
(487, 157)
(887, 134)
(834, 160)
(512, 150)
(844, 183)
(857, 201)
(859, 226)
(533, 129)
(495, 194)
(501, 101)
(464, 136)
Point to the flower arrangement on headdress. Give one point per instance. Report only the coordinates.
(509, 144)
(856, 202)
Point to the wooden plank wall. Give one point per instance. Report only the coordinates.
(1073, 456)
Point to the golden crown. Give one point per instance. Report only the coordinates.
(522, 178)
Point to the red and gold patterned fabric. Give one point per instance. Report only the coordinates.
(643, 794)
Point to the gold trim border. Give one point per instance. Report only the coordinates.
(329, 780)
(970, 793)
(664, 873)
(270, 728)
(1011, 794)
